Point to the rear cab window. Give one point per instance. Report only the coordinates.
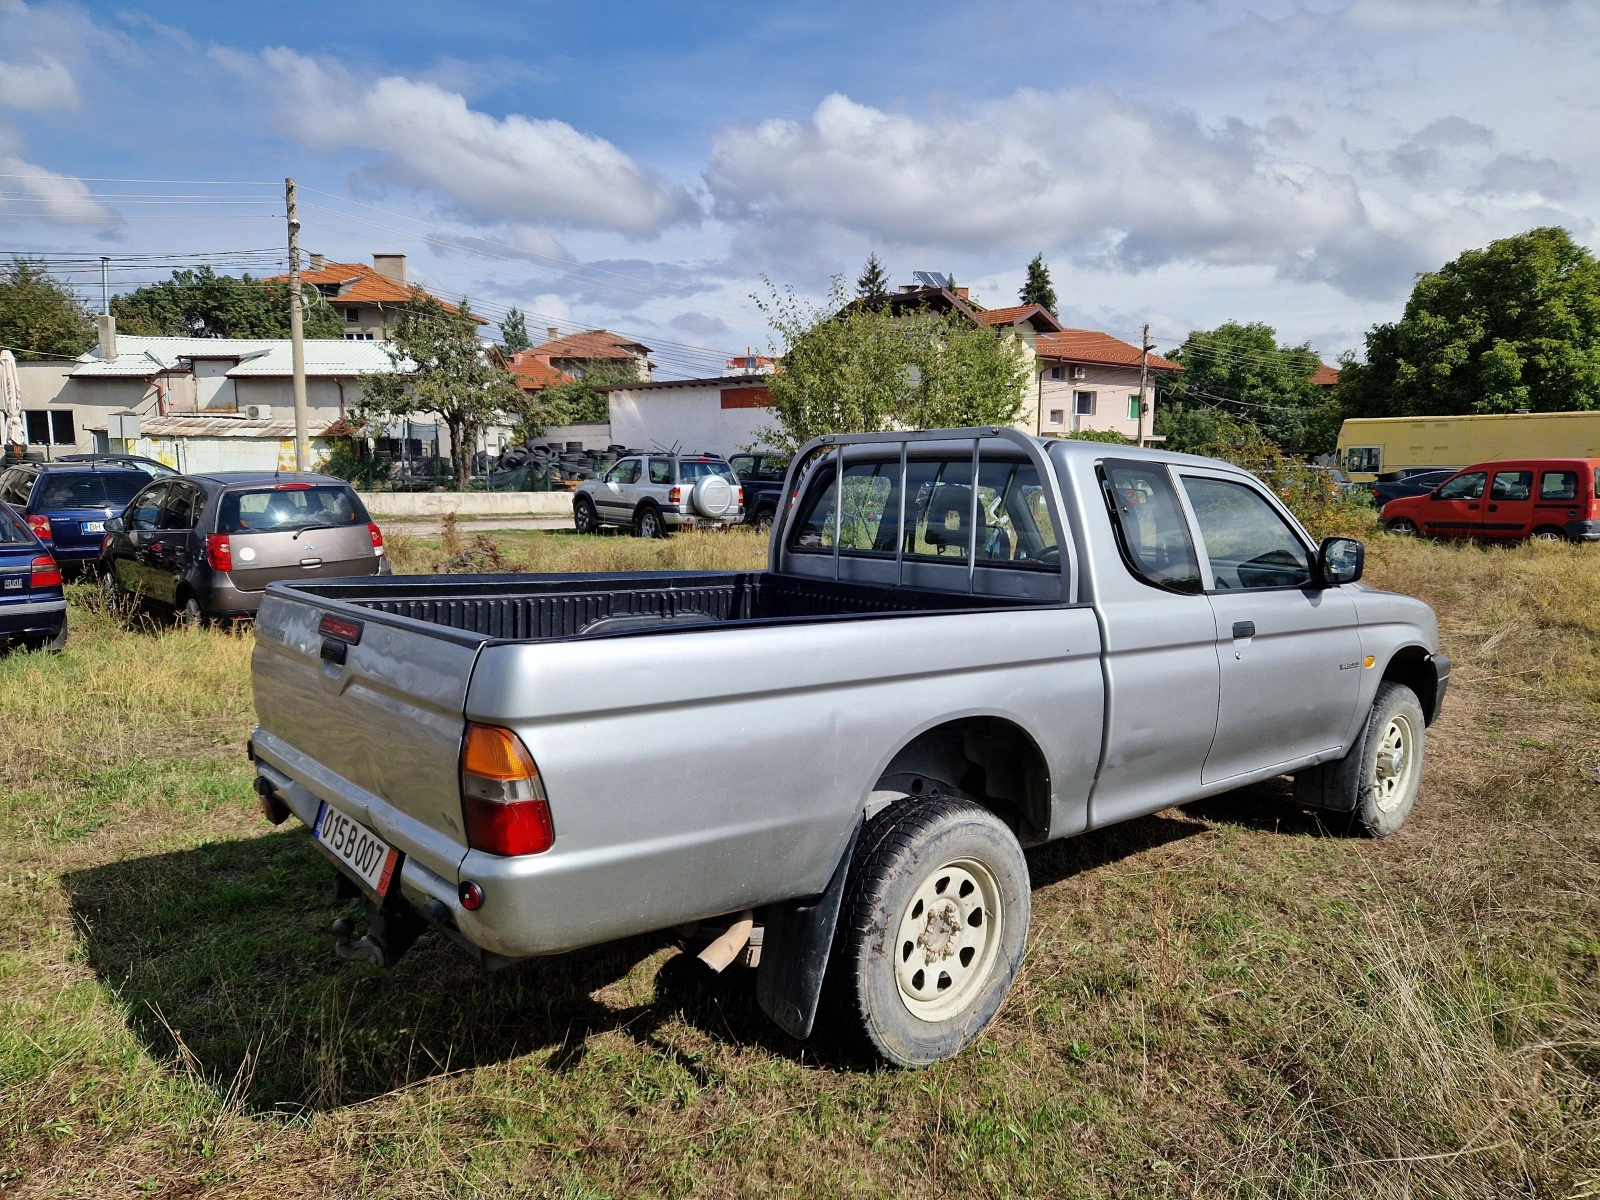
(693, 470)
(88, 490)
(1152, 534)
(289, 507)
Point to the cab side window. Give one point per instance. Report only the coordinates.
(1463, 487)
(660, 470)
(626, 471)
(1511, 485)
(146, 506)
(1558, 485)
(178, 510)
(1247, 543)
(1151, 532)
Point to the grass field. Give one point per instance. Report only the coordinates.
(1222, 1000)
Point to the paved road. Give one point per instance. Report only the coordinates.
(429, 527)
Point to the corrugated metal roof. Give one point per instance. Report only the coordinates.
(141, 357)
(219, 425)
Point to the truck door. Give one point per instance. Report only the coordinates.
(1289, 652)
(611, 495)
(169, 550)
(1509, 511)
(1455, 509)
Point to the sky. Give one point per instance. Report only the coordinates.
(647, 168)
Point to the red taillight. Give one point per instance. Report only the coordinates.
(45, 573)
(40, 524)
(739, 492)
(502, 796)
(291, 487)
(219, 552)
(376, 535)
(675, 496)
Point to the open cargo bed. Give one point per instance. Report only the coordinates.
(543, 607)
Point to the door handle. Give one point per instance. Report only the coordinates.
(1244, 629)
(1472, 506)
(1494, 508)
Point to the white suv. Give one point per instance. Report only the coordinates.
(655, 494)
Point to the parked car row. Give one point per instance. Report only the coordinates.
(1553, 499)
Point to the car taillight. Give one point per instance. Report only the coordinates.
(40, 524)
(219, 552)
(376, 535)
(502, 796)
(46, 574)
(675, 495)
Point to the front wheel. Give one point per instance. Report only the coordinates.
(1404, 526)
(584, 517)
(932, 929)
(1377, 781)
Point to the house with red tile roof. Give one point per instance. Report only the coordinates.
(367, 298)
(1325, 376)
(563, 359)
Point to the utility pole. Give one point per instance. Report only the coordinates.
(297, 335)
(1144, 376)
(105, 286)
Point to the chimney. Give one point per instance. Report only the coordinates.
(108, 337)
(319, 262)
(390, 266)
(554, 331)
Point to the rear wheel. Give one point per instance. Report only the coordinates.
(647, 523)
(764, 516)
(1549, 533)
(1404, 526)
(584, 516)
(942, 886)
(189, 614)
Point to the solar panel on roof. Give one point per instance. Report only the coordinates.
(931, 279)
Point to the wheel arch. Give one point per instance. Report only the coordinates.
(1409, 665)
(988, 757)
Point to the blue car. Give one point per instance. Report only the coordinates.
(67, 504)
(33, 608)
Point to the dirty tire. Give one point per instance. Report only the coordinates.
(584, 517)
(1404, 526)
(764, 516)
(1382, 792)
(647, 523)
(931, 880)
(190, 615)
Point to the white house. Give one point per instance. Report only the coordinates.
(722, 415)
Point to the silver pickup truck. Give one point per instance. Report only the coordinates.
(965, 643)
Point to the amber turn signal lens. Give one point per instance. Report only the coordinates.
(496, 753)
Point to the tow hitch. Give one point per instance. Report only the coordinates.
(391, 931)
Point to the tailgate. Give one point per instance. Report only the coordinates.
(318, 553)
(384, 725)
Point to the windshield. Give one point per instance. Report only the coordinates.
(694, 470)
(289, 507)
(100, 489)
(12, 531)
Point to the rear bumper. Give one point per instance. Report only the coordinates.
(683, 520)
(220, 598)
(32, 619)
(1583, 531)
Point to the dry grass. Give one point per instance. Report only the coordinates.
(560, 552)
(1218, 1001)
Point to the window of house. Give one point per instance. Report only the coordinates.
(61, 431)
(1055, 372)
(1133, 407)
(1083, 403)
(352, 315)
(1559, 485)
(38, 422)
(1058, 416)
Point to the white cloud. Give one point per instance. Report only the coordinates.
(516, 169)
(38, 194)
(40, 86)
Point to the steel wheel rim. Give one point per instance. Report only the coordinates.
(1394, 765)
(650, 525)
(948, 940)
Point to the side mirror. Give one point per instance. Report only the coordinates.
(1340, 560)
(115, 525)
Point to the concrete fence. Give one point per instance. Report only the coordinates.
(436, 504)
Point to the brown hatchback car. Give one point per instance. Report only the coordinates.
(208, 545)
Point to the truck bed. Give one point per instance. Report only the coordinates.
(544, 607)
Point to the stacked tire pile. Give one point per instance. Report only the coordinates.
(566, 464)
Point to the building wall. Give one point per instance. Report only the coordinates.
(690, 417)
(1112, 387)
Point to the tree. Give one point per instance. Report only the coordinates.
(1514, 325)
(201, 303)
(41, 315)
(582, 399)
(1036, 288)
(874, 283)
(514, 332)
(853, 367)
(440, 367)
(1240, 369)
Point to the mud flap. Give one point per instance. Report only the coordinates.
(798, 940)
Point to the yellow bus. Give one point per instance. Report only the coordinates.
(1368, 445)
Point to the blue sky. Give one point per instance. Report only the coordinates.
(641, 166)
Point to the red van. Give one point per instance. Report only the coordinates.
(1552, 498)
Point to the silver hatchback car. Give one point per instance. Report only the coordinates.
(655, 494)
(208, 545)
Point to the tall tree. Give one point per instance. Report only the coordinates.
(41, 315)
(1036, 288)
(851, 367)
(440, 367)
(1514, 325)
(201, 303)
(1241, 370)
(514, 332)
(582, 399)
(874, 283)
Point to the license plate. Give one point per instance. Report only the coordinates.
(93, 527)
(369, 858)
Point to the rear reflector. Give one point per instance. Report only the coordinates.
(376, 535)
(45, 573)
(219, 552)
(40, 524)
(338, 627)
(502, 797)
